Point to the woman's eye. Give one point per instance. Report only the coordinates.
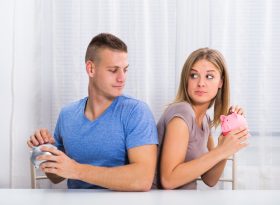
(209, 76)
(194, 75)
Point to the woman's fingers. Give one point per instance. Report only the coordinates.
(236, 109)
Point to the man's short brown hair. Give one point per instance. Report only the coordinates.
(103, 40)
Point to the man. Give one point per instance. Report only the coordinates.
(106, 140)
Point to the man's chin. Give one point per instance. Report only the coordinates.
(114, 95)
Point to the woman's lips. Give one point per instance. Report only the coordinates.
(200, 93)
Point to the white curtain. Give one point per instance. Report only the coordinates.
(20, 77)
(42, 67)
(247, 32)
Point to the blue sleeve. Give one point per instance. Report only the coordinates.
(141, 127)
(57, 134)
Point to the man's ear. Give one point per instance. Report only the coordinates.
(90, 68)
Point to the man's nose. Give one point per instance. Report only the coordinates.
(121, 76)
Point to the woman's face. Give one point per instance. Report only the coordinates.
(204, 82)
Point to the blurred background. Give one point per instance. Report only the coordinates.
(42, 48)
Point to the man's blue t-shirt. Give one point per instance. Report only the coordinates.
(125, 124)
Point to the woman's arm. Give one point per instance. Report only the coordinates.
(174, 171)
(212, 176)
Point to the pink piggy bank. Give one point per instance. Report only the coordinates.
(232, 122)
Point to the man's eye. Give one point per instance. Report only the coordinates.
(113, 71)
(194, 75)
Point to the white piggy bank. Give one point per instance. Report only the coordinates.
(36, 151)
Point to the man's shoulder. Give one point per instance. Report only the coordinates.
(73, 106)
(131, 103)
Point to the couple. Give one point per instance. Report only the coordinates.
(109, 140)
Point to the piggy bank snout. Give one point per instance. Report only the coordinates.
(232, 121)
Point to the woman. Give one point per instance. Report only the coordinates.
(186, 149)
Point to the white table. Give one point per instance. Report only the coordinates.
(162, 197)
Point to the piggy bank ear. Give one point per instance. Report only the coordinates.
(222, 117)
(234, 115)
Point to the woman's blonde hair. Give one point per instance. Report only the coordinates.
(222, 99)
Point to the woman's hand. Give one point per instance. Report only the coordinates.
(233, 141)
(236, 109)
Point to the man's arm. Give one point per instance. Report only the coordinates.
(136, 176)
(40, 137)
(54, 178)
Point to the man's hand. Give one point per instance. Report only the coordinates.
(58, 163)
(41, 136)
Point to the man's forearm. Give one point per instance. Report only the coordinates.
(54, 178)
(132, 177)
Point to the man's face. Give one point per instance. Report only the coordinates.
(110, 73)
